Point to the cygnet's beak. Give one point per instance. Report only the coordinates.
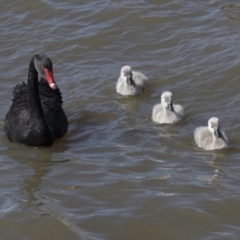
(170, 107)
(130, 81)
(217, 133)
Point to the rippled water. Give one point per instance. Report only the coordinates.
(116, 174)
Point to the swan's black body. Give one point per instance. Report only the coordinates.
(36, 117)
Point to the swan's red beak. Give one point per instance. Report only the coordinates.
(50, 79)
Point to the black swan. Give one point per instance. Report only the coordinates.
(36, 117)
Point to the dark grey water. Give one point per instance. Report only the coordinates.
(116, 174)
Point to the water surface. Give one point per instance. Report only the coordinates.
(116, 174)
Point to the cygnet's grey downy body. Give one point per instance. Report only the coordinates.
(166, 111)
(130, 82)
(211, 137)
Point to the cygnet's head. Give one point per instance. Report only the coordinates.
(126, 74)
(166, 100)
(214, 126)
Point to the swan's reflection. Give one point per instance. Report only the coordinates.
(41, 161)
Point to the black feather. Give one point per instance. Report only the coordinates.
(34, 128)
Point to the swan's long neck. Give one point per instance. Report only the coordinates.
(167, 111)
(35, 107)
(214, 138)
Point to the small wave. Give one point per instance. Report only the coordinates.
(232, 11)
